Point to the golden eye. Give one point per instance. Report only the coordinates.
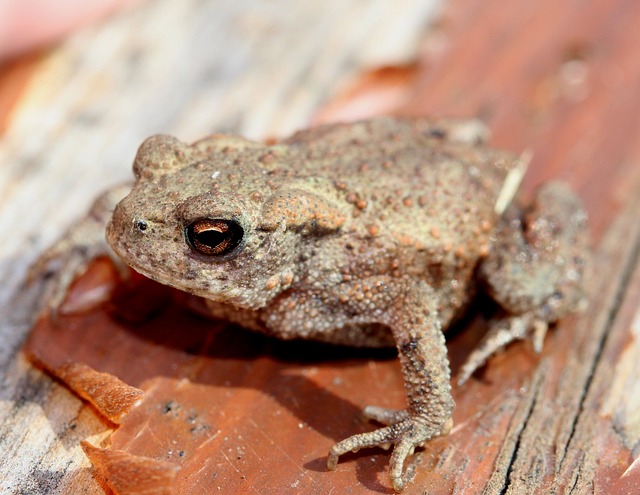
(214, 236)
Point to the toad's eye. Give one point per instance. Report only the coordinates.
(214, 236)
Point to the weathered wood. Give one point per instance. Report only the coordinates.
(558, 78)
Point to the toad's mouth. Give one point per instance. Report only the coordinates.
(220, 291)
(218, 288)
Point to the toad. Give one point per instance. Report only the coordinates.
(375, 233)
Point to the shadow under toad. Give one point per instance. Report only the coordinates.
(144, 334)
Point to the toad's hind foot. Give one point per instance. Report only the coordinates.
(534, 271)
(502, 332)
(406, 434)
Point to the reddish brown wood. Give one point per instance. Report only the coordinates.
(136, 475)
(14, 77)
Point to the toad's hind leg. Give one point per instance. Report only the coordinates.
(534, 271)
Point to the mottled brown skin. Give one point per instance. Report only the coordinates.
(365, 234)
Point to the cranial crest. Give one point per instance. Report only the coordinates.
(159, 155)
(301, 210)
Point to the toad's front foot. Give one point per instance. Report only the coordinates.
(405, 433)
(62, 263)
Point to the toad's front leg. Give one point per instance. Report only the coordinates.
(71, 255)
(408, 308)
(412, 317)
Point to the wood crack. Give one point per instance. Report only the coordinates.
(498, 484)
(572, 466)
(618, 297)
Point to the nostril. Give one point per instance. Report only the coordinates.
(140, 225)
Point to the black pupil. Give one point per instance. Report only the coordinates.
(213, 237)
